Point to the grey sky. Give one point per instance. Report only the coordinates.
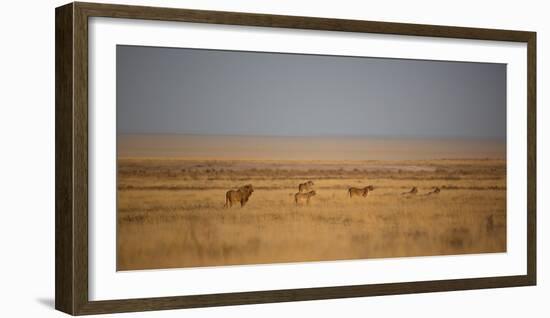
(190, 91)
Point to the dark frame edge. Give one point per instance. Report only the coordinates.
(71, 121)
(298, 22)
(291, 295)
(71, 280)
(64, 235)
(532, 158)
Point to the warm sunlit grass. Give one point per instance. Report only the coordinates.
(170, 212)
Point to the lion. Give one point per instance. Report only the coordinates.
(242, 194)
(301, 197)
(414, 190)
(360, 191)
(435, 190)
(305, 187)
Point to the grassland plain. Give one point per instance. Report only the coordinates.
(170, 210)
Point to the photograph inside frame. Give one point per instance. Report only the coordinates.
(239, 158)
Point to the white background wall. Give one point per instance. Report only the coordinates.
(27, 158)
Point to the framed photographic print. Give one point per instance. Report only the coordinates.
(211, 158)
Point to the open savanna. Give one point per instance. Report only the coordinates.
(171, 210)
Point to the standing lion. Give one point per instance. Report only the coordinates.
(241, 195)
(360, 191)
(301, 197)
(305, 187)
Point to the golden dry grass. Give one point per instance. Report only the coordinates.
(170, 211)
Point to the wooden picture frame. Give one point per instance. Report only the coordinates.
(71, 90)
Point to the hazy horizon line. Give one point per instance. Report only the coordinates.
(500, 138)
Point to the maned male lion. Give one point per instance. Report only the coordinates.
(241, 195)
(305, 187)
(301, 197)
(360, 191)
